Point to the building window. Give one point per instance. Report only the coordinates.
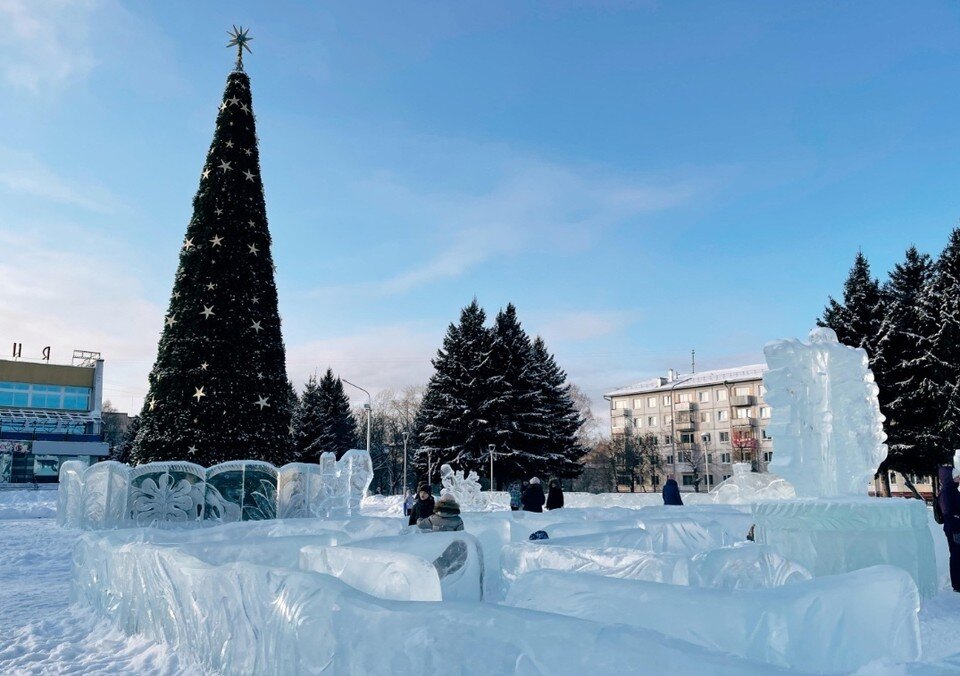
(763, 390)
(636, 422)
(724, 437)
(669, 459)
(704, 416)
(651, 421)
(620, 404)
(638, 403)
(767, 456)
(667, 419)
(709, 457)
(766, 435)
(666, 400)
(764, 411)
(667, 439)
(743, 413)
(703, 396)
(686, 437)
(722, 416)
(651, 402)
(683, 397)
(688, 480)
(725, 457)
(721, 395)
(28, 395)
(726, 476)
(705, 438)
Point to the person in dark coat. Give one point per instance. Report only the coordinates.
(446, 518)
(423, 507)
(949, 503)
(671, 492)
(555, 495)
(532, 498)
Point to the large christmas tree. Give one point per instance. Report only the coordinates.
(218, 389)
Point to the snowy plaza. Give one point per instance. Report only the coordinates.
(338, 479)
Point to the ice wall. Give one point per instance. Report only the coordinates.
(747, 486)
(826, 625)
(826, 419)
(112, 495)
(622, 562)
(245, 618)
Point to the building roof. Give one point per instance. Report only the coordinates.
(685, 381)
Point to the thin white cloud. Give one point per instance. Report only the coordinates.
(530, 206)
(578, 326)
(46, 44)
(22, 174)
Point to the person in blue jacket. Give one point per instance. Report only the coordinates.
(671, 492)
(949, 503)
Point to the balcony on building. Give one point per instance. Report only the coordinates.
(682, 406)
(743, 400)
(684, 425)
(738, 423)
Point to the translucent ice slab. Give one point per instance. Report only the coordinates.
(835, 536)
(384, 574)
(745, 566)
(670, 534)
(826, 625)
(746, 486)
(619, 562)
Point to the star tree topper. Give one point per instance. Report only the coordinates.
(240, 40)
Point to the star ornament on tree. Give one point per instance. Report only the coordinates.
(239, 40)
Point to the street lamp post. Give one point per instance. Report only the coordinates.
(706, 459)
(491, 448)
(406, 436)
(368, 406)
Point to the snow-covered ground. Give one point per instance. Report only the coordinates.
(41, 632)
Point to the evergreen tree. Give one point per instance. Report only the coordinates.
(940, 364)
(903, 373)
(520, 423)
(453, 425)
(324, 422)
(122, 452)
(561, 416)
(856, 321)
(218, 389)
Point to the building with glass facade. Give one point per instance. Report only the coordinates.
(49, 413)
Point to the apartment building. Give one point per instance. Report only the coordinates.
(701, 422)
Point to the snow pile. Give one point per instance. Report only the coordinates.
(627, 500)
(22, 503)
(745, 487)
(112, 495)
(833, 624)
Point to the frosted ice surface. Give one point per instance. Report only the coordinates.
(826, 418)
(627, 538)
(384, 574)
(70, 494)
(621, 562)
(835, 536)
(746, 486)
(298, 490)
(458, 583)
(745, 566)
(669, 534)
(164, 492)
(106, 487)
(359, 468)
(833, 624)
(6, 467)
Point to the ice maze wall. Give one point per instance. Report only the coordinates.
(113, 495)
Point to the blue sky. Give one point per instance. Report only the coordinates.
(640, 179)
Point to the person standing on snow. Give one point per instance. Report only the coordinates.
(423, 507)
(671, 492)
(555, 495)
(532, 498)
(949, 503)
(445, 517)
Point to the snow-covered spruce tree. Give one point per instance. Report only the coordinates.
(516, 413)
(857, 320)
(563, 453)
(903, 372)
(324, 419)
(941, 362)
(453, 425)
(218, 389)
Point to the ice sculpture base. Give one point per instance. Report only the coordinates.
(832, 536)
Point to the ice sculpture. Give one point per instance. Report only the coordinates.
(70, 495)
(245, 618)
(745, 565)
(629, 538)
(466, 489)
(106, 488)
(825, 625)
(746, 486)
(633, 564)
(111, 495)
(668, 534)
(826, 418)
